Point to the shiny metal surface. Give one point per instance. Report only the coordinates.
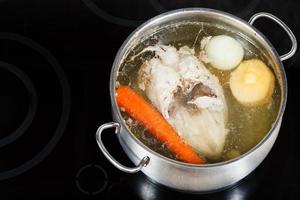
(284, 26)
(121, 167)
(185, 176)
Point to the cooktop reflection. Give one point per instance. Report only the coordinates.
(55, 61)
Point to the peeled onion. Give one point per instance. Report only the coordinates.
(252, 83)
(224, 52)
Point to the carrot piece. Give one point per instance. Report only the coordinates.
(145, 114)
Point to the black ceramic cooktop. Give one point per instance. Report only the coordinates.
(55, 61)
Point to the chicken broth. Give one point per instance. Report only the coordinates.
(246, 125)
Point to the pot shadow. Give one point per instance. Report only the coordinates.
(145, 188)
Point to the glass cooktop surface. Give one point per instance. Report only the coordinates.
(55, 62)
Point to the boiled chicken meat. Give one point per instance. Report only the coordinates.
(189, 97)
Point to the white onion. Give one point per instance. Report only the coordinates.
(224, 52)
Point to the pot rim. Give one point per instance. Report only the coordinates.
(231, 17)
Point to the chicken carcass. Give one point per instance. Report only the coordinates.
(189, 97)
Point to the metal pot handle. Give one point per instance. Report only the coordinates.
(284, 26)
(143, 162)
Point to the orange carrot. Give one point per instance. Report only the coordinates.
(145, 114)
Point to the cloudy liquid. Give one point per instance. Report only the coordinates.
(247, 125)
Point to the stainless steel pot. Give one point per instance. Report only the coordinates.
(191, 177)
